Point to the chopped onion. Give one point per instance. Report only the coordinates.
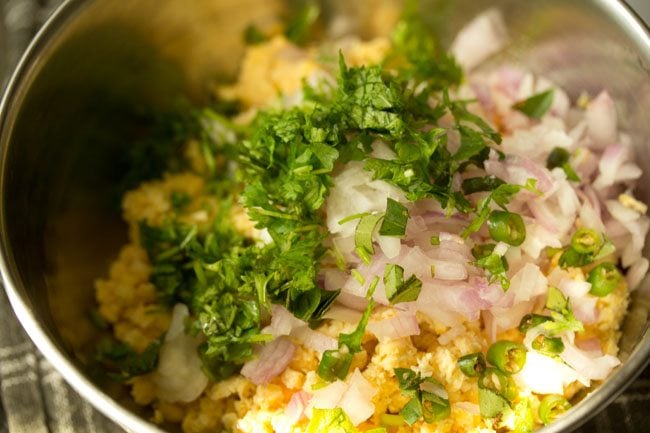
(285, 323)
(296, 406)
(602, 122)
(527, 283)
(357, 400)
(636, 273)
(446, 270)
(179, 377)
(355, 396)
(271, 360)
(313, 339)
(483, 36)
(400, 325)
(342, 313)
(451, 334)
(545, 375)
(390, 245)
(471, 408)
(591, 367)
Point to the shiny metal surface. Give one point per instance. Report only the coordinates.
(77, 100)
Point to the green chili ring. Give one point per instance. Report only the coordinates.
(509, 357)
(472, 365)
(586, 241)
(502, 384)
(551, 407)
(604, 278)
(507, 227)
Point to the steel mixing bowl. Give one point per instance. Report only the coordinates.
(76, 102)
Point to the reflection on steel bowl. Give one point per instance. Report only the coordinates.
(360, 231)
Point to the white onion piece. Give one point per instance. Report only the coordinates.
(539, 237)
(285, 323)
(354, 191)
(507, 317)
(342, 313)
(354, 302)
(636, 273)
(435, 312)
(399, 326)
(591, 367)
(295, 410)
(357, 400)
(179, 377)
(573, 288)
(282, 322)
(621, 213)
(483, 36)
(471, 408)
(602, 122)
(445, 270)
(527, 283)
(333, 279)
(545, 375)
(271, 360)
(314, 340)
(355, 397)
(390, 245)
(451, 334)
(435, 389)
(614, 156)
(327, 397)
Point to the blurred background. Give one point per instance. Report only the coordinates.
(40, 402)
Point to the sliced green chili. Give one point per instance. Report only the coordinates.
(586, 241)
(548, 345)
(498, 381)
(434, 407)
(334, 364)
(551, 407)
(509, 357)
(559, 157)
(472, 365)
(530, 321)
(604, 278)
(506, 227)
(491, 403)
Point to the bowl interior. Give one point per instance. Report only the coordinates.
(92, 85)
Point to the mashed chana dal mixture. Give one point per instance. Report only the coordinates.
(382, 238)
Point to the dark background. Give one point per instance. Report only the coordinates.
(19, 21)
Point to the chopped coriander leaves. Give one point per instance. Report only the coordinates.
(537, 105)
(122, 362)
(429, 400)
(334, 421)
(395, 219)
(400, 290)
(495, 265)
(335, 363)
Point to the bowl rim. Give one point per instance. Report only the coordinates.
(44, 38)
(618, 10)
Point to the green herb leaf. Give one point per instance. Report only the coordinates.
(537, 105)
(398, 290)
(300, 25)
(395, 219)
(122, 362)
(334, 421)
(363, 236)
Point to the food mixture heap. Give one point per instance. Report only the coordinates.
(379, 243)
